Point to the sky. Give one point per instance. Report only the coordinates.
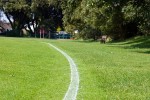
(3, 17)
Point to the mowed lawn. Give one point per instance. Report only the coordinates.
(31, 70)
(113, 71)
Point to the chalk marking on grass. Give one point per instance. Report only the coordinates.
(74, 83)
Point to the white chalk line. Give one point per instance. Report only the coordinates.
(72, 91)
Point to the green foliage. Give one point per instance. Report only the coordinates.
(144, 15)
(37, 13)
(111, 17)
(18, 11)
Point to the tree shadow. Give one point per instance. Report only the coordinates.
(143, 44)
(138, 43)
(86, 41)
(146, 52)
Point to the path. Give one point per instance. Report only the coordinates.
(74, 84)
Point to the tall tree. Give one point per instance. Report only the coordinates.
(118, 18)
(18, 11)
(27, 13)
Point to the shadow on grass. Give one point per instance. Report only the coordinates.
(146, 52)
(137, 43)
(86, 41)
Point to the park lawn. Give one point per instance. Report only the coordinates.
(113, 71)
(31, 70)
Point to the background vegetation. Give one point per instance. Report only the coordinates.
(120, 19)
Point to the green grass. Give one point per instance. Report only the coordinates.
(31, 70)
(114, 71)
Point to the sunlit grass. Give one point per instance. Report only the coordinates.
(31, 70)
(116, 71)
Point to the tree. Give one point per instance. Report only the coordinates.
(75, 18)
(20, 13)
(36, 13)
(119, 19)
(143, 14)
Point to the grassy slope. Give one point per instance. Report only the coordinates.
(30, 70)
(117, 71)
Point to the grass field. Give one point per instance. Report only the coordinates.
(30, 69)
(114, 71)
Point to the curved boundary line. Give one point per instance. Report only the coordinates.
(74, 83)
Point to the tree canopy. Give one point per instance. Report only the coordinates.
(120, 19)
(36, 13)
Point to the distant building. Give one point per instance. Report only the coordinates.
(4, 26)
